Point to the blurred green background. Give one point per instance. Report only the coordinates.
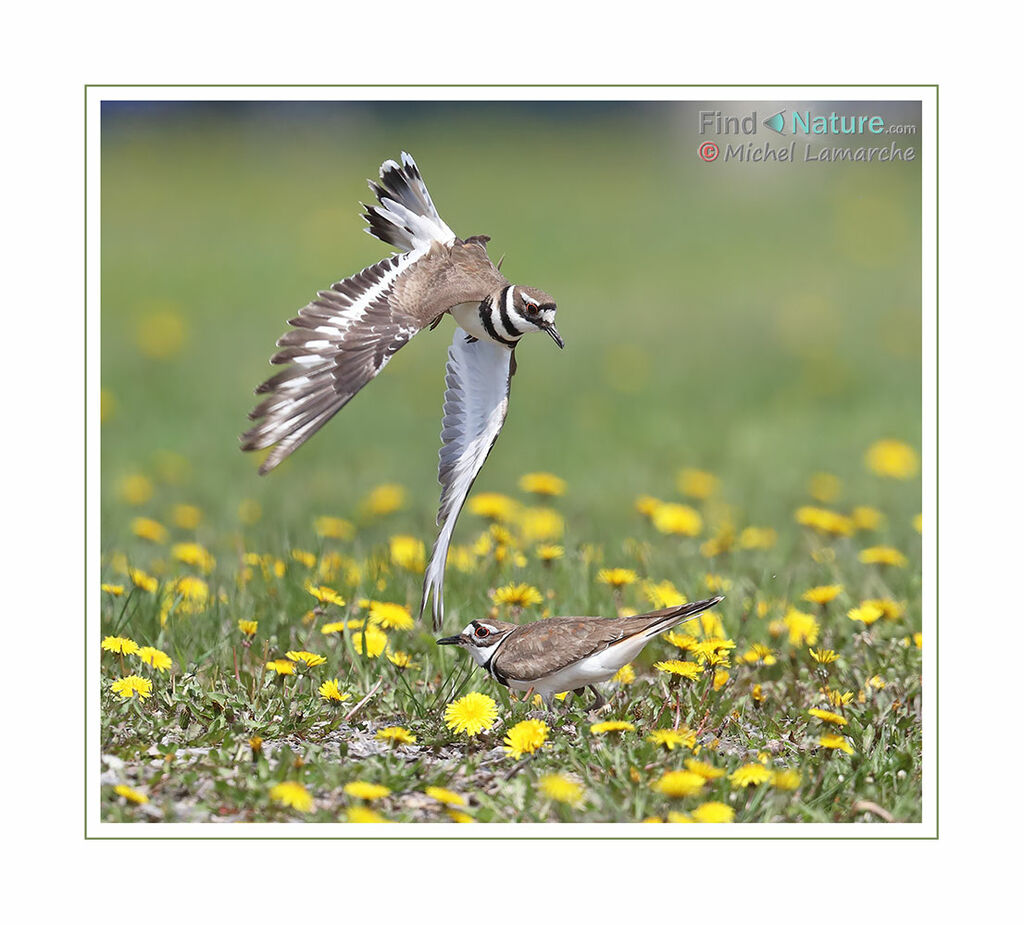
(763, 322)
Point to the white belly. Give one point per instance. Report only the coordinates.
(600, 666)
(467, 317)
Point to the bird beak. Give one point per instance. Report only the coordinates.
(555, 336)
(450, 641)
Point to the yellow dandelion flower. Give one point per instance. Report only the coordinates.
(721, 679)
(823, 656)
(611, 725)
(696, 483)
(326, 595)
(402, 660)
(757, 538)
(824, 520)
(248, 627)
(333, 565)
(542, 483)
(680, 640)
(759, 653)
(713, 811)
(679, 784)
(891, 610)
(518, 595)
(616, 577)
(892, 459)
(825, 487)
(292, 793)
(540, 525)
(458, 816)
(330, 691)
(362, 814)
(384, 499)
(120, 644)
(549, 553)
(461, 558)
(471, 714)
(750, 775)
(304, 557)
(142, 581)
(132, 684)
(866, 518)
(866, 614)
(391, 616)
(525, 737)
(329, 628)
(447, 797)
(707, 650)
(493, 506)
(364, 790)
(135, 489)
(836, 742)
(195, 555)
(828, 716)
(876, 681)
(647, 505)
(822, 594)
(333, 528)
(309, 659)
(562, 789)
(149, 529)
(186, 516)
(396, 735)
(663, 594)
(625, 675)
(757, 694)
(838, 698)
(376, 641)
(883, 555)
(161, 661)
(281, 666)
(677, 519)
(803, 627)
(132, 796)
(689, 670)
(187, 595)
(407, 552)
(116, 590)
(705, 770)
(786, 779)
(670, 738)
(677, 817)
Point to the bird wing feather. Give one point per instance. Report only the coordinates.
(478, 378)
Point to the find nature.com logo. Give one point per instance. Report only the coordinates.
(810, 126)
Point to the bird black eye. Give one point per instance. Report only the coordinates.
(482, 632)
(531, 309)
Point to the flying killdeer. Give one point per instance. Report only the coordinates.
(347, 335)
(566, 653)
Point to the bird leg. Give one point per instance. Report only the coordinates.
(599, 702)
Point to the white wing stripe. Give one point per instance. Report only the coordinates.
(475, 405)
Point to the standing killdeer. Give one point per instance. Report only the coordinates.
(566, 653)
(344, 337)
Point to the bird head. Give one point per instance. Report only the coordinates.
(536, 309)
(479, 638)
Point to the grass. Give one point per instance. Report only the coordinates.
(763, 326)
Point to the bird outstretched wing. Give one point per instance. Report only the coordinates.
(347, 335)
(340, 341)
(478, 378)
